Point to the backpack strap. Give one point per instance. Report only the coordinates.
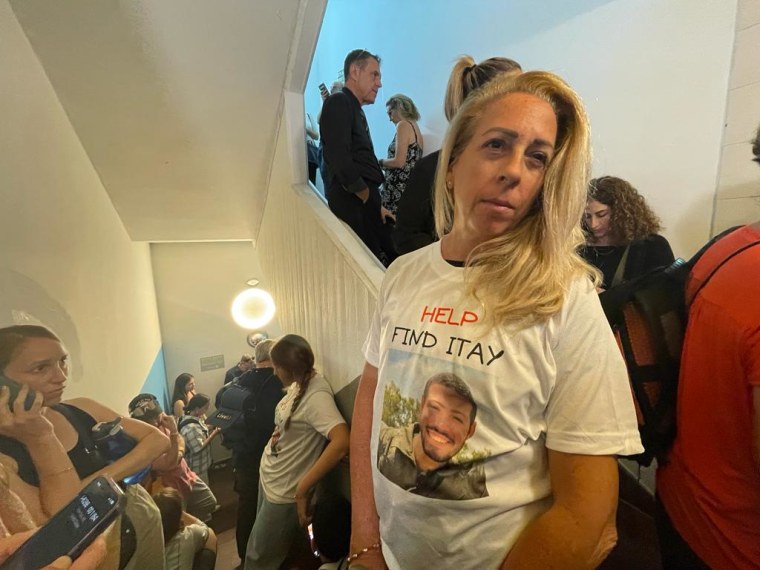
(187, 420)
(721, 264)
(620, 271)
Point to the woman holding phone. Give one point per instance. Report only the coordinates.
(35, 358)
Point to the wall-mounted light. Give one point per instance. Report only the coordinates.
(253, 308)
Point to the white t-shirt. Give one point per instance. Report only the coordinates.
(183, 546)
(560, 385)
(291, 452)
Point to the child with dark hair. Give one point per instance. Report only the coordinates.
(296, 457)
(189, 542)
(197, 436)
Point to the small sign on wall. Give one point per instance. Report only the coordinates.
(212, 362)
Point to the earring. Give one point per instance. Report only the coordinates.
(449, 185)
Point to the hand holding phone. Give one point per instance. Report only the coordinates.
(323, 91)
(14, 389)
(21, 421)
(91, 559)
(71, 531)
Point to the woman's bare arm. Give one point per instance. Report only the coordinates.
(404, 136)
(58, 479)
(151, 443)
(578, 530)
(365, 524)
(336, 449)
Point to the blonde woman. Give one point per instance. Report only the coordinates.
(415, 223)
(403, 152)
(503, 305)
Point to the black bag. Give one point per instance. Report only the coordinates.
(648, 316)
(232, 415)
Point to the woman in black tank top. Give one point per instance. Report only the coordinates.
(35, 358)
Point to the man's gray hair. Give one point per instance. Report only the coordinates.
(262, 350)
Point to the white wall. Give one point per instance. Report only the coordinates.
(65, 258)
(738, 195)
(653, 74)
(324, 280)
(195, 285)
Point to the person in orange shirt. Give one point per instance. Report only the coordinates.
(709, 490)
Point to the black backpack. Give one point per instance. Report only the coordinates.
(236, 436)
(648, 316)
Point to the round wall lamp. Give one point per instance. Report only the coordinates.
(253, 308)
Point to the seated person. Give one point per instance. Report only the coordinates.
(17, 526)
(184, 390)
(171, 467)
(197, 436)
(189, 542)
(36, 359)
(621, 232)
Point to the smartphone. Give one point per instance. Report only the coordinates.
(72, 529)
(323, 91)
(315, 550)
(14, 388)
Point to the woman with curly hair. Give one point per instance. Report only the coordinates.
(621, 232)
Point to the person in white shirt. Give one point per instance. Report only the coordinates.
(296, 457)
(189, 543)
(505, 301)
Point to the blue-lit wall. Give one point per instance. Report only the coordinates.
(640, 66)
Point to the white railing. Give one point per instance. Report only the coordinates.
(323, 278)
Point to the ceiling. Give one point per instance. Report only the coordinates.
(176, 102)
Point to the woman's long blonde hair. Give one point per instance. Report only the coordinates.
(521, 277)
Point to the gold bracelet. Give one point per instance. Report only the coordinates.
(54, 473)
(363, 551)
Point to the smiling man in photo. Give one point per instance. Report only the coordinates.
(419, 457)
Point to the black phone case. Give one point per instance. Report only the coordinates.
(15, 388)
(36, 552)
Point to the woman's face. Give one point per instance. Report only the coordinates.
(393, 115)
(190, 386)
(596, 218)
(43, 365)
(500, 172)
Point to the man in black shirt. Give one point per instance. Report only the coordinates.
(245, 364)
(248, 438)
(355, 175)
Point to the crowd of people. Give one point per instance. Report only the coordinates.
(290, 434)
(506, 244)
(494, 400)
